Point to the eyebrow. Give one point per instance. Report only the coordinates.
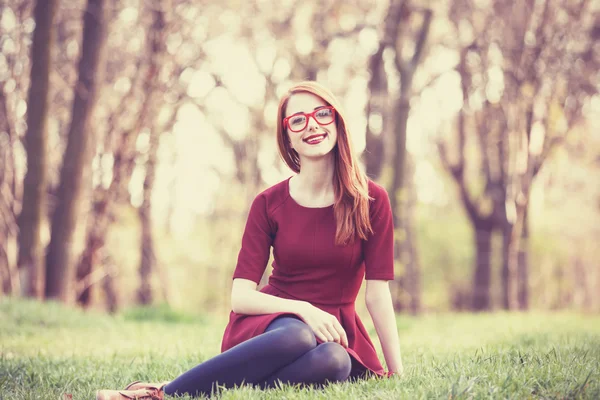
(302, 112)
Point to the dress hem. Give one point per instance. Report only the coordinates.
(262, 327)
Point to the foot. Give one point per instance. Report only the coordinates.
(139, 394)
(144, 385)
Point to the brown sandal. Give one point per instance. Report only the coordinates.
(134, 391)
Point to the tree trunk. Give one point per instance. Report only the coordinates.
(59, 274)
(411, 284)
(101, 217)
(515, 277)
(111, 297)
(8, 202)
(483, 268)
(9, 278)
(148, 256)
(397, 202)
(96, 237)
(523, 264)
(157, 51)
(9, 275)
(34, 185)
(376, 108)
(505, 275)
(512, 249)
(406, 70)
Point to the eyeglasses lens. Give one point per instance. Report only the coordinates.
(299, 122)
(324, 116)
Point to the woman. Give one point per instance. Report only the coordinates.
(329, 227)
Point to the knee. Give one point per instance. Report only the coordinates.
(334, 360)
(300, 335)
(295, 334)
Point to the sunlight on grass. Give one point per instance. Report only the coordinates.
(47, 350)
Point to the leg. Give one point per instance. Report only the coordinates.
(327, 362)
(285, 340)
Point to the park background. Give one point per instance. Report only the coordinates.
(134, 135)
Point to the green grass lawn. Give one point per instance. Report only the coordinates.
(47, 350)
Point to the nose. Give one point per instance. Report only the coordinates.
(312, 123)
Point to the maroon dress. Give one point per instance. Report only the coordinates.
(309, 266)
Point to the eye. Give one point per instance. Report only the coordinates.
(324, 112)
(297, 120)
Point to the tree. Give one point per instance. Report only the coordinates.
(157, 52)
(14, 60)
(377, 106)
(399, 14)
(9, 276)
(515, 89)
(546, 85)
(59, 269)
(34, 186)
(105, 199)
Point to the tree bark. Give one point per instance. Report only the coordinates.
(59, 274)
(34, 185)
(406, 70)
(104, 200)
(411, 282)
(505, 274)
(8, 200)
(398, 202)
(376, 105)
(96, 237)
(483, 268)
(148, 256)
(515, 283)
(523, 264)
(148, 252)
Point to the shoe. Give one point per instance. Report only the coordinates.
(144, 385)
(150, 393)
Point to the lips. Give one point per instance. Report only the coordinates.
(315, 139)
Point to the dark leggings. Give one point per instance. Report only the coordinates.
(286, 352)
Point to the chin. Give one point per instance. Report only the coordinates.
(318, 153)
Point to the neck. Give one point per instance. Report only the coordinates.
(316, 175)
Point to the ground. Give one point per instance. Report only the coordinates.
(47, 350)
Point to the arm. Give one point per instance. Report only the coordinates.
(245, 299)
(252, 260)
(381, 309)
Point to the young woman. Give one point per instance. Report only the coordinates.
(329, 227)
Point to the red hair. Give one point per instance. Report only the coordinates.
(350, 185)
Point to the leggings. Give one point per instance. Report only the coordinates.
(287, 352)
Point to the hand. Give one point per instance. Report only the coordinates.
(397, 372)
(325, 326)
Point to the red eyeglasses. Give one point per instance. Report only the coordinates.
(299, 121)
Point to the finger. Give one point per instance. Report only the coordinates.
(344, 339)
(327, 334)
(342, 333)
(334, 332)
(320, 336)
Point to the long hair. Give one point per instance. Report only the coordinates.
(351, 206)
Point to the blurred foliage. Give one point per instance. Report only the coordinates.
(158, 313)
(228, 62)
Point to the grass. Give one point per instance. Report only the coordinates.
(47, 350)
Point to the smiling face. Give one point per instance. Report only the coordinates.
(315, 140)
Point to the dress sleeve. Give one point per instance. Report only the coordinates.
(378, 249)
(256, 243)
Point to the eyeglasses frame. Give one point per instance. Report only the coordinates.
(286, 120)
